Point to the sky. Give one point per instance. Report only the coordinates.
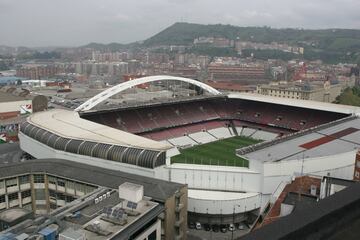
(36, 23)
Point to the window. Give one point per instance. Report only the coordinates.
(52, 193)
(26, 194)
(79, 187)
(53, 206)
(60, 196)
(152, 236)
(2, 199)
(61, 182)
(69, 199)
(13, 196)
(11, 182)
(52, 180)
(24, 179)
(39, 178)
(70, 185)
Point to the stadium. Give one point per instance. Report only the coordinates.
(234, 151)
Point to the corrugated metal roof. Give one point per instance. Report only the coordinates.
(68, 124)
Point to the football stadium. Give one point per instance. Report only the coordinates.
(234, 151)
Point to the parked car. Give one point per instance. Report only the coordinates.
(215, 228)
(207, 227)
(223, 228)
(198, 226)
(232, 227)
(191, 225)
(242, 226)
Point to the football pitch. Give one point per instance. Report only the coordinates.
(221, 152)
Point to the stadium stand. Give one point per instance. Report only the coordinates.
(248, 132)
(241, 117)
(202, 137)
(263, 135)
(220, 133)
(183, 141)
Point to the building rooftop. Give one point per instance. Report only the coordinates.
(68, 124)
(12, 214)
(335, 217)
(97, 216)
(110, 217)
(158, 190)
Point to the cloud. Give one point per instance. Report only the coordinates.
(69, 22)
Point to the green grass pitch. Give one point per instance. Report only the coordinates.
(221, 152)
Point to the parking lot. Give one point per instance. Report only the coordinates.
(197, 231)
(194, 234)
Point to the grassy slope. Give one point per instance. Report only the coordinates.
(220, 152)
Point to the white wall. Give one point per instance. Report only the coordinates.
(224, 206)
(340, 166)
(214, 179)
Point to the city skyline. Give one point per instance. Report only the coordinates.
(69, 23)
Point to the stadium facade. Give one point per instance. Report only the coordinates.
(299, 137)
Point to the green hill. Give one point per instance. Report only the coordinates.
(329, 45)
(184, 33)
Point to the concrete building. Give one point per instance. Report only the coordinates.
(241, 73)
(316, 91)
(38, 71)
(52, 186)
(334, 217)
(15, 105)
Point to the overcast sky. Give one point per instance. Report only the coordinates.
(78, 22)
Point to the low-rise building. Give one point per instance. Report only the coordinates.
(316, 91)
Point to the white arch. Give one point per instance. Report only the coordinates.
(92, 102)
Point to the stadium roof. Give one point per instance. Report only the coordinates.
(323, 106)
(157, 189)
(319, 142)
(12, 106)
(68, 124)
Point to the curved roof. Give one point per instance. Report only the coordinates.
(68, 124)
